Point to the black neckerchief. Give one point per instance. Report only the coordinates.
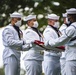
(18, 30)
(37, 31)
(68, 24)
(56, 29)
(74, 38)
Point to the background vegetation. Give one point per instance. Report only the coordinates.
(38, 7)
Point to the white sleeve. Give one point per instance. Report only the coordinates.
(62, 28)
(48, 34)
(29, 37)
(9, 38)
(65, 38)
(26, 47)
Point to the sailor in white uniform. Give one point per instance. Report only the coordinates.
(13, 43)
(62, 30)
(51, 63)
(33, 58)
(69, 38)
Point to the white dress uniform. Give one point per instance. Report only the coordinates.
(51, 62)
(11, 54)
(62, 58)
(33, 58)
(71, 48)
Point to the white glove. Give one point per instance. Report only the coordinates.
(29, 41)
(26, 47)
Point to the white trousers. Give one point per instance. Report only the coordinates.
(62, 63)
(33, 67)
(70, 67)
(12, 66)
(51, 67)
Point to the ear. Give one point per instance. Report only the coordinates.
(28, 22)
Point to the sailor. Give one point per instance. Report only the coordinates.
(62, 30)
(51, 63)
(13, 43)
(33, 58)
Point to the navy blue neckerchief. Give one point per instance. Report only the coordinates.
(37, 31)
(68, 24)
(56, 29)
(18, 30)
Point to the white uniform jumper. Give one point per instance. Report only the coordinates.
(11, 54)
(70, 55)
(33, 58)
(51, 62)
(62, 59)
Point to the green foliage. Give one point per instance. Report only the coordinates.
(43, 7)
(1, 71)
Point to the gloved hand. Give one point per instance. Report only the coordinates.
(26, 47)
(61, 47)
(28, 41)
(37, 42)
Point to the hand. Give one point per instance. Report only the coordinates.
(29, 41)
(37, 42)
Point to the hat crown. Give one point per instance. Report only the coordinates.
(71, 11)
(16, 14)
(53, 16)
(29, 17)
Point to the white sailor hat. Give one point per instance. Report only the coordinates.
(64, 14)
(29, 17)
(53, 16)
(71, 11)
(16, 15)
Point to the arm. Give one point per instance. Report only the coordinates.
(26, 47)
(48, 35)
(29, 37)
(8, 37)
(65, 38)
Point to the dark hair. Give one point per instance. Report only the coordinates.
(28, 20)
(73, 16)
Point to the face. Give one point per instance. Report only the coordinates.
(14, 20)
(70, 18)
(51, 22)
(31, 22)
(64, 20)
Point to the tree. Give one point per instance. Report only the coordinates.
(38, 7)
